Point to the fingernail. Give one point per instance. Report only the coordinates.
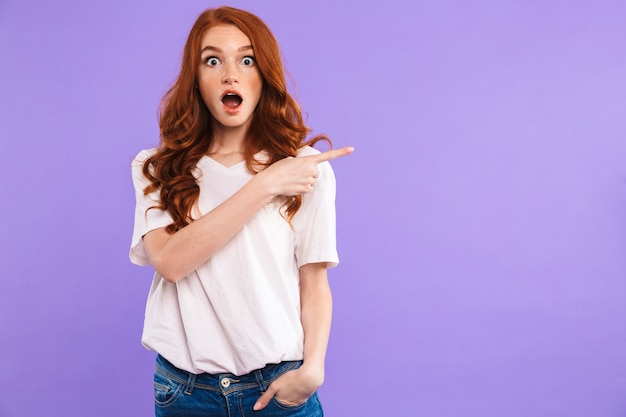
(257, 406)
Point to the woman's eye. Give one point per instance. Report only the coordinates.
(247, 61)
(212, 61)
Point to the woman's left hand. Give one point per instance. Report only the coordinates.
(292, 388)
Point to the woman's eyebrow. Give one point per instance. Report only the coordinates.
(216, 49)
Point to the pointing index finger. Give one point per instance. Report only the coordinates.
(332, 154)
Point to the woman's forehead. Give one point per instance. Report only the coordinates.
(222, 37)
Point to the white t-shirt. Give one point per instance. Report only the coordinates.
(241, 309)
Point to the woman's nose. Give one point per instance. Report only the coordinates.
(231, 74)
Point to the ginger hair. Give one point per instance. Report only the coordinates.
(185, 122)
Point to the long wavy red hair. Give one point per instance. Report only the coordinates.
(277, 126)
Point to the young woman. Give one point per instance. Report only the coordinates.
(235, 212)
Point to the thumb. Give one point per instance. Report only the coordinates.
(264, 399)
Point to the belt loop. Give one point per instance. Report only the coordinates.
(191, 381)
(259, 378)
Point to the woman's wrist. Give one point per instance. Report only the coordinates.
(313, 371)
(263, 185)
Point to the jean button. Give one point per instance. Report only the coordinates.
(225, 382)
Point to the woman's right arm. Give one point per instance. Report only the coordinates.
(174, 256)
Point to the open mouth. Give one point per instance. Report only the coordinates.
(232, 100)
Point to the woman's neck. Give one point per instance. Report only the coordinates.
(228, 145)
(228, 140)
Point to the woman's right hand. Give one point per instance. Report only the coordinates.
(296, 176)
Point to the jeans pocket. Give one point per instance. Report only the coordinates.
(166, 390)
(284, 406)
(289, 409)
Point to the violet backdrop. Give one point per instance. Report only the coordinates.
(481, 219)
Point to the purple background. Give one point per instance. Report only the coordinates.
(482, 225)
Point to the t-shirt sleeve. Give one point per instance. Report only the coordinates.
(315, 224)
(145, 220)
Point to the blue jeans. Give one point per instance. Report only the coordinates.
(178, 393)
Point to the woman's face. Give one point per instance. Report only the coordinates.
(228, 78)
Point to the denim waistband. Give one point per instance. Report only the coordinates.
(225, 383)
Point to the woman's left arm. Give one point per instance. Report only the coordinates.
(295, 387)
(316, 304)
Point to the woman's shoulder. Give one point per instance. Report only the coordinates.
(144, 154)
